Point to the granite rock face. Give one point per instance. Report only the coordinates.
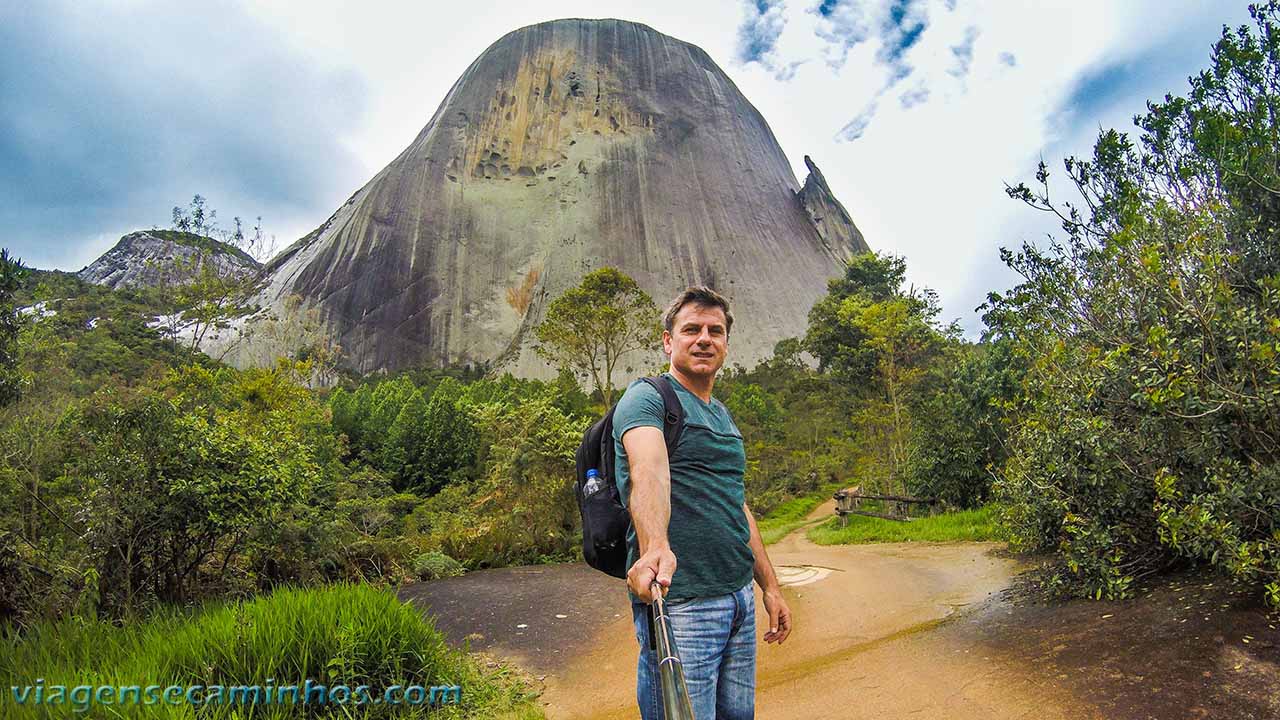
(137, 259)
(567, 146)
(835, 227)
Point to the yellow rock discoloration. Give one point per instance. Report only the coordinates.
(530, 121)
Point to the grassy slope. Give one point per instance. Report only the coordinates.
(972, 525)
(98, 334)
(345, 634)
(204, 243)
(790, 515)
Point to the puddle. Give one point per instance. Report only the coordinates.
(795, 575)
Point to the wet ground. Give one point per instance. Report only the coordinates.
(908, 630)
(540, 616)
(1185, 647)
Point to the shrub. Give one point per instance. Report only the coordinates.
(520, 509)
(435, 565)
(1146, 430)
(166, 490)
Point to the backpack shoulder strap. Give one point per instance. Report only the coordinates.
(673, 422)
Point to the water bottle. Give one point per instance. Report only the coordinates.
(592, 484)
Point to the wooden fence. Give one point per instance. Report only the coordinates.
(849, 502)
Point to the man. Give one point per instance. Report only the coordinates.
(690, 508)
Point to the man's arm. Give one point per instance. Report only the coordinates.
(774, 604)
(650, 506)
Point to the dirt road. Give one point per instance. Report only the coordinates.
(910, 630)
(869, 642)
(871, 638)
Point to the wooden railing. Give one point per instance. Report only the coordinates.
(849, 502)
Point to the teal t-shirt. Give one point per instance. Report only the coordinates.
(708, 531)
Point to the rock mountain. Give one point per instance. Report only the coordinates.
(138, 259)
(564, 147)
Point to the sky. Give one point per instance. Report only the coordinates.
(917, 111)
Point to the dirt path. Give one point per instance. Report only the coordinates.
(910, 630)
(865, 645)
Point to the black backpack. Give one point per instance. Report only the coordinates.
(605, 522)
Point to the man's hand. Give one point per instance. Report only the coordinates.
(657, 564)
(774, 604)
(779, 617)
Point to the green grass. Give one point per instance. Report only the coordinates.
(971, 525)
(347, 634)
(202, 242)
(790, 515)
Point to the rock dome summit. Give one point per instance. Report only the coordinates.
(567, 146)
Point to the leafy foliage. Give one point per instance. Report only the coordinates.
(1151, 333)
(520, 507)
(958, 442)
(170, 479)
(78, 337)
(435, 565)
(450, 440)
(589, 328)
(11, 275)
(881, 340)
(840, 346)
(198, 224)
(794, 427)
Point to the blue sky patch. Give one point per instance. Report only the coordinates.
(758, 34)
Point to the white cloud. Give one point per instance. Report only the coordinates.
(925, 179)
(924, 176)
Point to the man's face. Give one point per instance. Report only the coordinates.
(698, 340)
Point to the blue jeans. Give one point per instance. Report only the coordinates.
(716, 640)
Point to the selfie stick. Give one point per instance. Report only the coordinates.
(675, 693)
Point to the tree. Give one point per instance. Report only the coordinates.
(450, 439)
(839, 346)
(519, 508)
(340, 408)
(200, 294)
(959, 423)
(197, 218)
(1150, 330)
(168, 489)
(298, 332)
(751, 405)
(210, 299)
(879, 339)
(405, 441)
(591, 327)
(354, 415)
(902, 343)
(200, 219)
(12, 274)
(385, 404)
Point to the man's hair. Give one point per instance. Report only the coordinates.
(703, 297)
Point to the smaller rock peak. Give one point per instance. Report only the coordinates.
(815, 174)
(138, 257)
(834, 225)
